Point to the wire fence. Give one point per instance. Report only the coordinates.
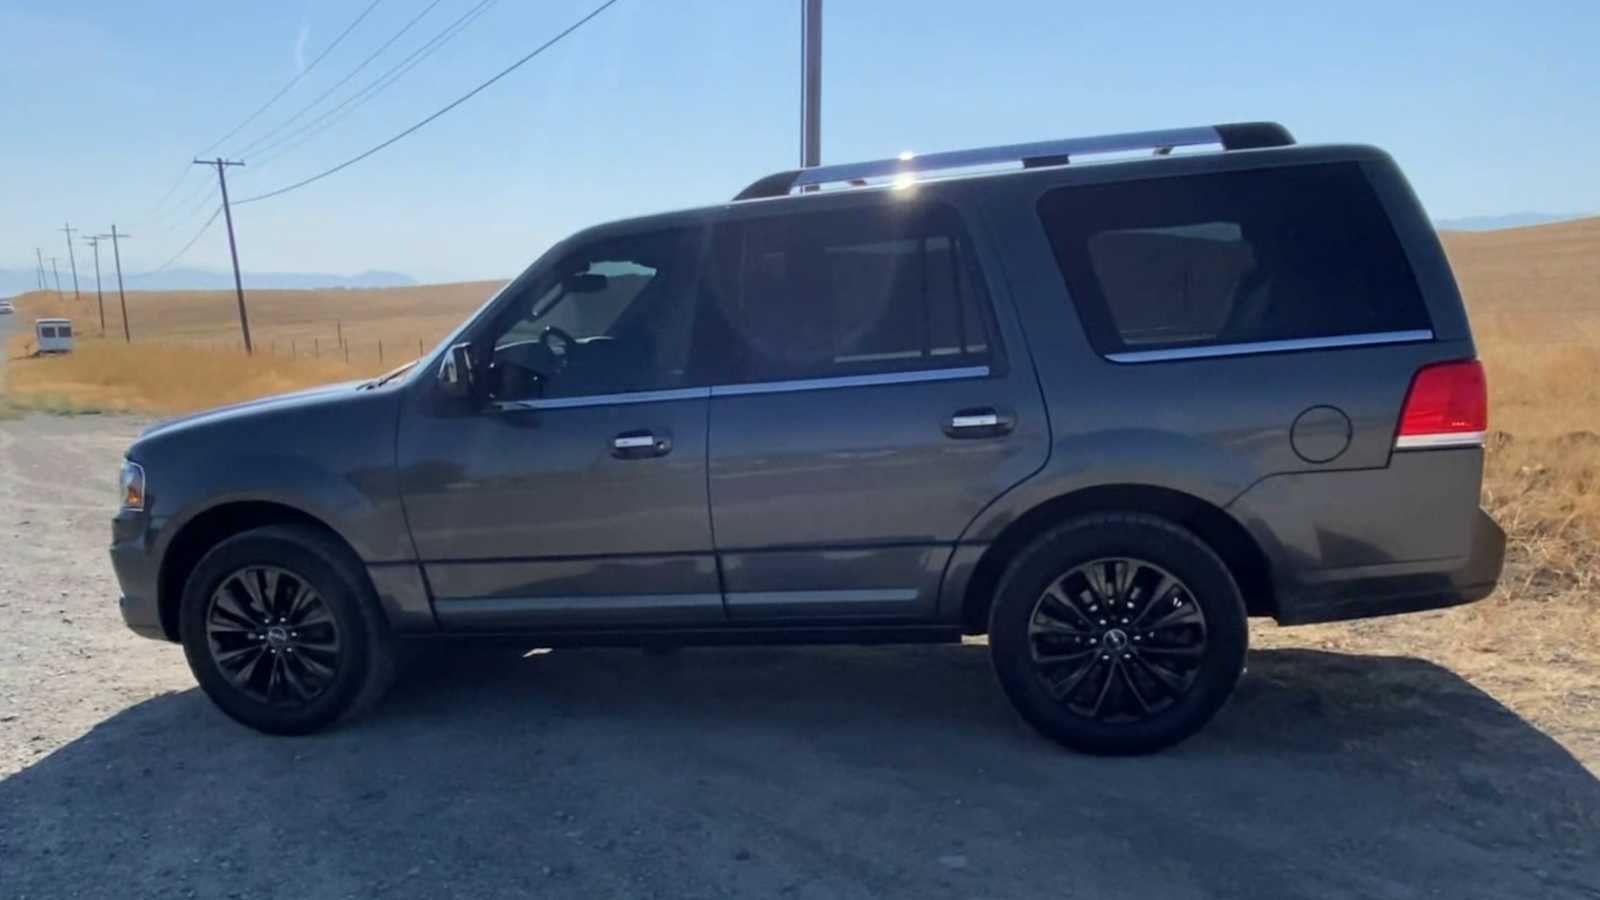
(342, 345)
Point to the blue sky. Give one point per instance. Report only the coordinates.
(1491, 107)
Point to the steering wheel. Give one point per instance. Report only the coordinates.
(557, 340)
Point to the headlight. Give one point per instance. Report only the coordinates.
(132, 485)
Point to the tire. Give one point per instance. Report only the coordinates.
(244, 656)
(1170, 665)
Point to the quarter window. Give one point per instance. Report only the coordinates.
(1237, 257)
(849, 292)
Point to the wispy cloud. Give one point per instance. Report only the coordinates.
(300, 46)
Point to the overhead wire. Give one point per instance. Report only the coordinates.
(340, 83)
(293, 81)
(439, 112)
(373, 88)
(184, 249)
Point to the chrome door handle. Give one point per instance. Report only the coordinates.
(975, 420)
(980, 422)
(640, 445)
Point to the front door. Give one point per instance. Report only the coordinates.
(870, 414)
(577, 495)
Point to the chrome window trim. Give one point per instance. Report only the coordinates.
(695, 393)
(1440, 441)
(1252, 348)
(739, 390)
(849, 381)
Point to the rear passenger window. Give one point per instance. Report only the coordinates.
(862, 291)
(1232, 258)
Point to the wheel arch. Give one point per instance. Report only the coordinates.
(1220, 531)
(211, 527)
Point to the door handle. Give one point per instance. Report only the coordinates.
(979, 422)
(639, 445)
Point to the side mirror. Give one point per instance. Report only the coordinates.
(457, 376)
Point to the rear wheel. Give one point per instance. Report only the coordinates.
(281, 632)
(1118, 634)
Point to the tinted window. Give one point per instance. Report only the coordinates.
(1265, 255)
(859, 291)
(612, 317)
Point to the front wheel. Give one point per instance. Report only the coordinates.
(281, 633)
(1118, 634)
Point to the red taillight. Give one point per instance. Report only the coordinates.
(1447, 406)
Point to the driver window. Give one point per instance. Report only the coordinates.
(611, 318)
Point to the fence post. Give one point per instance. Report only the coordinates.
(380, 351)
(420, 351)
(316, 348)
(338, 331)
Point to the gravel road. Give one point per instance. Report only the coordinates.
(724, 773)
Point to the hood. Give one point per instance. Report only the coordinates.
(317, 396)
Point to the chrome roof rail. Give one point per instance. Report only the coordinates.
(1236, 136)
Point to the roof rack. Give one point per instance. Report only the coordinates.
(1235, 136)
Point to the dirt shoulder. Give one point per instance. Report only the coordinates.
(735, 772)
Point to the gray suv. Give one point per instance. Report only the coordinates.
(1099, 412)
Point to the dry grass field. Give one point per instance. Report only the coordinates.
(1534, 297)
(187, 355)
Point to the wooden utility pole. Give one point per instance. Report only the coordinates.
(39, 255)
(94, 240)
(54, 268)
(122, 296)
(233, 248)
(72, 259)
(811, 85)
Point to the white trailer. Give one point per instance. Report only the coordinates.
(53, 335)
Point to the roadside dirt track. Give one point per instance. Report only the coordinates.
(797, 772)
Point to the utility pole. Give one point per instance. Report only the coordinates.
(811, 85)
(72, 259)
(39, 255)
(116, 252)
(233, 248)
(94, 240)
(57, 272)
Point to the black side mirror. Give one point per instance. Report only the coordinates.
(458, 377)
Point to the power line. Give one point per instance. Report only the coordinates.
(376, 86)
(185, 249)
(452, 105)
(296, 79)
(156, 207)
(341, 82)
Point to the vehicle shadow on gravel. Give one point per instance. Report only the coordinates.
(820, 772)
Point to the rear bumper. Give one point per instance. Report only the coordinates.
(1385, 590)
(1347, 544)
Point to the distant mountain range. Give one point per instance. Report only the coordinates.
(1509, 220)
(15, 281)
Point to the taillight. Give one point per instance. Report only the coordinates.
(1447, 406)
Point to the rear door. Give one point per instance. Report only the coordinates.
(875, 400)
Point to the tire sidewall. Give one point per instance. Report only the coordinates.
(268, 547)
(1124, 536)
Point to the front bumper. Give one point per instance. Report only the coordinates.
(1384, 590)
(138, 573)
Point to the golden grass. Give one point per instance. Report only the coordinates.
(106, 376)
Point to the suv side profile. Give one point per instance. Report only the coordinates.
(1101, 413)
